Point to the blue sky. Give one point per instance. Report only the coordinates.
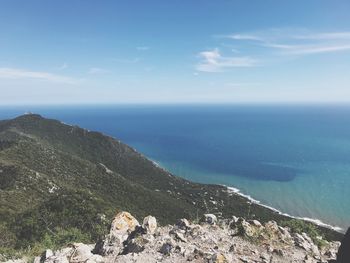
(84, 51)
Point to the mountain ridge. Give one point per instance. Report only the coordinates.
(49, 168)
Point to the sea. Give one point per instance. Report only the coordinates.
(293, 158)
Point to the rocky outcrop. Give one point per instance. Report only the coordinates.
(211, 241)
(122, 226)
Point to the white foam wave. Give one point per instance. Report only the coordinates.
(312, 220)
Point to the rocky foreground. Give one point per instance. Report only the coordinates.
(212, 240)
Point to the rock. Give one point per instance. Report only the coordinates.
(123, 222)
(331, 254)
(314, 249)
(265, 257)
(244, 228)
(213, 242)
(278, 252)
(271, 226)
(166, 248)
(135, 245)
(244, 259)
(195, 231)
(218, 258)
(122, 225)
(57, 259)
(284, 234)
(183, 224)
(149, 224)
(307, 238)
(46, 254)
(255, 223)
(180, 237)
(209, 219)
(234, 219)
(305, 242)
(82, 253)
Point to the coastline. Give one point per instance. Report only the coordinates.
(234, 190)
(318, 222)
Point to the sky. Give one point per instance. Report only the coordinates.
(159, 51)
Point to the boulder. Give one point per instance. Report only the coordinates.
(209, 219)
(82, 253)
(122, 225)
(123, 222)
(149, 224)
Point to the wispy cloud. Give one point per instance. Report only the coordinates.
(143, 48)
(297, 43)
(326, 36)
(14, 73)
(308, 49)
(95, 70)
(245, 37)
(213, 61)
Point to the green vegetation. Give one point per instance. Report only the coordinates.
(59, 181)
(301, 226)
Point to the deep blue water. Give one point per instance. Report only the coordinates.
(293, 158)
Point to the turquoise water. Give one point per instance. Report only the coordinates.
(293, 158)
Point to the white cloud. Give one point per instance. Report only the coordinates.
(142, 48)
(245, 37)
(297, 42)
(309, 49)
(13, 73)
(213, 61)
(326, 36)
(97, 71)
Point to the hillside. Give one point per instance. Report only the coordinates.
(56, 177)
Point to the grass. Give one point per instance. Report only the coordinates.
(300, 226)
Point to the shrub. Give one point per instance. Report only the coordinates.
(301, 226)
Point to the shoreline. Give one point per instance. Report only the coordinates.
(234, 190)
(318, 222)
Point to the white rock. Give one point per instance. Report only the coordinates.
(255, 223)
(149, 224)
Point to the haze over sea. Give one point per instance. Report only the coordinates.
(293, 158)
